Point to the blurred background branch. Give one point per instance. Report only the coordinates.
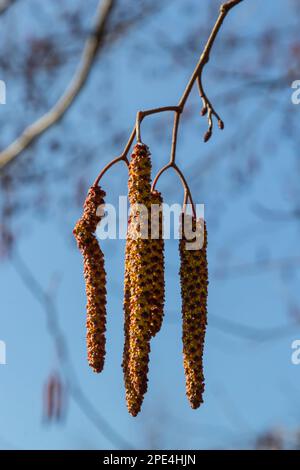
(92, 46)
(5, 5)
(46, 300)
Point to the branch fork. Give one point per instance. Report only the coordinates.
(207, 109)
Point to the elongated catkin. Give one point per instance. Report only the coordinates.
(133, 402)
(138, 276)
(95, 277)
(157, 261)
(194, 287)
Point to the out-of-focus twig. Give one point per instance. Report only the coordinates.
(92, 47)
(253, 333)
(276, 214)
(5, 5)
(179, 108)
(61, 347)
(256, 267)
(105, 37)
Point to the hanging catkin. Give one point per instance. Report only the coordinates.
(133, 404)
(194, 284)
(95, 277)
(157, 260)
(138, 278)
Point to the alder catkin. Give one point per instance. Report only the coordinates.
(157, 260)
(95, 277)
(133, 403)
(138, 277)
(194, 288)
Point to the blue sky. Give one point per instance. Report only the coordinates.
(251, 386)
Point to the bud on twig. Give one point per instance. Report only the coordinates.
(207, 136)
(221, 124)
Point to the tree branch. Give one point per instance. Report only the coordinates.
(178, 110)
(92, 46)
(252, 333)
(5, 4)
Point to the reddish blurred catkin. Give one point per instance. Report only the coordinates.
(53, 398)
(138, 277)
(194, 287)
(95, 277)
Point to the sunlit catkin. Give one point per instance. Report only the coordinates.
(138, 279)
(157, 260)
(95, 277)
(194, 286)
(133, 403)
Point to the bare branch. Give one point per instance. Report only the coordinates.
(92, 46)
(252, 333)
(276, 214)
(196, 75)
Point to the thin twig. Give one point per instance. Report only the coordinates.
(208, 110)
(252, 333)
(135, 133)
(196, 75)
(108, 166)
(185, 185)
(243, 331)
(35, 130)
(257, 267)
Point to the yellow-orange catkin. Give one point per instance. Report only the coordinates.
(157, 260)
(138, 278)
(194, 287)
(133, 404)
(95, 277)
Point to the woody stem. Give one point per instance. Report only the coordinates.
(196, 75)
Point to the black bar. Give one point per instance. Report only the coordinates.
(136, 458)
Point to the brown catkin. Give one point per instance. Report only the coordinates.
(134, 405)
(157, 261)
(194, 287)
(138, 277)
(95, 277)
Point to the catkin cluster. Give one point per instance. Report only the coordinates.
(194, 285)
(144, 285)
(95, 277)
